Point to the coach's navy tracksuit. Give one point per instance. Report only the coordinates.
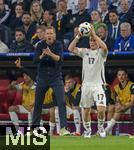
(49, 74)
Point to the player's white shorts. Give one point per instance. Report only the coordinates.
(45, 111)
(91, 94)
(23, 110)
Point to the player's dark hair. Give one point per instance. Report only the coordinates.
(67, 77)
(122, 69)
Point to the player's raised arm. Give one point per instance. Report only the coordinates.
(72, 47)
(101, 44)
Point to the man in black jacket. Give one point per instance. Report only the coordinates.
(48, 57)
(20, 45)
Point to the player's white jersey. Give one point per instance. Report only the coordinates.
(93, 66)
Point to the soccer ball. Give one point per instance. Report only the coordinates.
(84, 28)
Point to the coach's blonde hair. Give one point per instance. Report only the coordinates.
(50, 27)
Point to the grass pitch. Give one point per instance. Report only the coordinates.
(95, 143)
(79, 143)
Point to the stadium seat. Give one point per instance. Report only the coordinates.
(4, 117)
(3, 101)
(11, 97)
(125, 117)
(22, 117)
(18, 98)
(4, 82)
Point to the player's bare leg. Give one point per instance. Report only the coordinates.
(86, 122)
(101, 120)
(57, 121)
(115, 118)
(13, 110)
(52, 120)
(77, 120)
(110, 113)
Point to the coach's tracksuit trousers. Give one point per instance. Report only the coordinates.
(41, 88)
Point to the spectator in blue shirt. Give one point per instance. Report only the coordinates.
(126, 41)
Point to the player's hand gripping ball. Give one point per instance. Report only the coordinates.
(85, 28)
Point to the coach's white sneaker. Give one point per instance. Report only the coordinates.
(87, 134)
(101, 132)
(64, 132)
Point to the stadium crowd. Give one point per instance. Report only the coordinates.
(22, 22)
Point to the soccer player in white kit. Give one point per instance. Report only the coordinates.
(93, 80)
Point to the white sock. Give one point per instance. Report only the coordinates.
(101, 123)
(77, 120)
(41, 123)
(14, 119)
(87, 126)
(29, 119)
(110, 125)
(110, 130)
(108, 122)
(52, 126)
(57, 121)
